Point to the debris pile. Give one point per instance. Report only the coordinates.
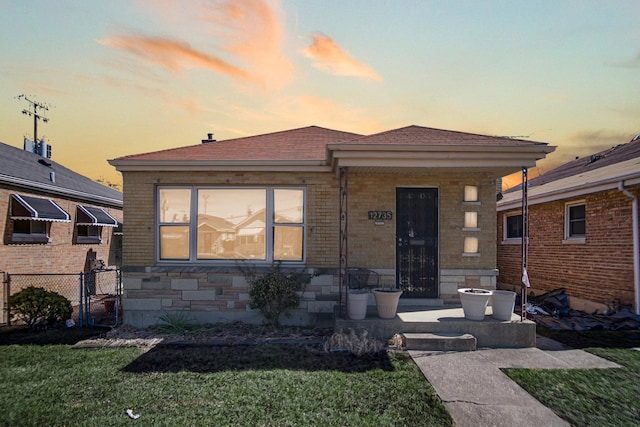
(552, 310)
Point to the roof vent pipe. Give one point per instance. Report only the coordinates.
(209, 139)
(52, 176)
(636, 244)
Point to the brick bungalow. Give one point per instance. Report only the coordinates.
(54, 219)
(583, 225)
(415, 204)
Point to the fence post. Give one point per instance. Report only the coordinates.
(81, 308)
(5, 299)
(8, 310)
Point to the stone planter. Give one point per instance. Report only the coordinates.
(387, 302)
(474, 302)
(502, 304)
(357, 301)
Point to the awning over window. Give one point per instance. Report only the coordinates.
(89, 215)
(36, 209)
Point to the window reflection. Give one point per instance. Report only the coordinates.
(175, 205)
(231, 224)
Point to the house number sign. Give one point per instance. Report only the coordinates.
(380, 215)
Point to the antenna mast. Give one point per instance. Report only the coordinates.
(32, 111)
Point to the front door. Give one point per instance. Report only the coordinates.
(417, 242)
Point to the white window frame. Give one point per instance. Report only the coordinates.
(510, 240)
(568, 238)
(269, 227)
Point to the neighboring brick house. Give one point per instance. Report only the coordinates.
(415, 204)
(581, 230)
(54, 220)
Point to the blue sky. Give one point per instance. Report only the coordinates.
(126, 77)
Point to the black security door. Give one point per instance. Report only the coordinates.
(417, 241)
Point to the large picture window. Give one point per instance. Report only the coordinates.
(205, 224)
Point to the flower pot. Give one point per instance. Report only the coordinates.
(357, 301)
(474, 302)
(502, 304)
(387, 302)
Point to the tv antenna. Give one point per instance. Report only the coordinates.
(37, 110)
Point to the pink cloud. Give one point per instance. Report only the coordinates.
(249, 34)
(328, 56)
(173, 55)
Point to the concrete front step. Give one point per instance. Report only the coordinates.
(440, 341)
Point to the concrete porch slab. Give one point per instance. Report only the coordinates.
(489, 333)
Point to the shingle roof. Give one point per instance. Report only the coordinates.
(595, 173)
(414, 135)
(611, 156)
(308, 143)
(31, 171)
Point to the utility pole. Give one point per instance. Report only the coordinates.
(32, 111)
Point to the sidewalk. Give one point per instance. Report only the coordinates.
(478, 394)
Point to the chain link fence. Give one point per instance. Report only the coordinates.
(94, 295)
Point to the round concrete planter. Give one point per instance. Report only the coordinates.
(502, 304)
(387, 302)
(357, 304)
(474, 302)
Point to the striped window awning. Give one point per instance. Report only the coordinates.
(36, 209)
(89, 215)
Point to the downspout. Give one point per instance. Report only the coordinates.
(636, 245)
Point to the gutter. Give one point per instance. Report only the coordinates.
(636, 244)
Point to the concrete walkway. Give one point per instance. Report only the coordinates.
(478, 394)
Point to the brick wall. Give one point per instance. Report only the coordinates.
(220, 293)
(62, 254)
(600, 270)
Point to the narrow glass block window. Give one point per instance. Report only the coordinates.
(471, 219)
(471, 245)
(470, 193)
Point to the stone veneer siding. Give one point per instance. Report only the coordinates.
(212, 293)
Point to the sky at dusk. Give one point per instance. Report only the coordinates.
(127, 77)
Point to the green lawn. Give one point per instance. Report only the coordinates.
(57, 385)
(596, 397)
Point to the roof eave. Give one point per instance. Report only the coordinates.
(514, 200)
(61, 191)
(123, 165)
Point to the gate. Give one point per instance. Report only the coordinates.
(417, 241)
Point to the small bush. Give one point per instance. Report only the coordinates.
(276, 292)
(40, 308)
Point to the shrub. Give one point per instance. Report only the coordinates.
(276, 292)
(38, 307)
